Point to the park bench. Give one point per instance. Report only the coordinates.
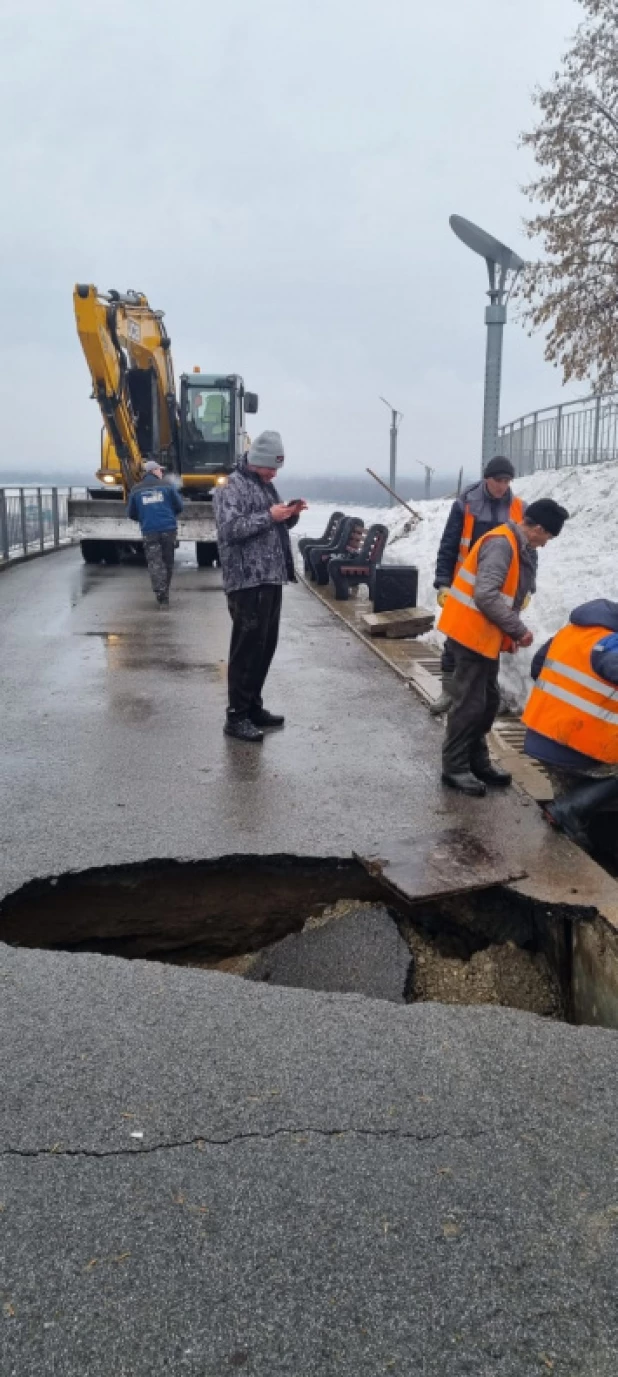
(347, 571)
(346, 543)
(309, 542)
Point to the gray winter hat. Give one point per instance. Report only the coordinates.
(267, 451)
(152, 466)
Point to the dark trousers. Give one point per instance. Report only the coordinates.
(159, 551)
(447, 661)
(476, 699)
(255, 614)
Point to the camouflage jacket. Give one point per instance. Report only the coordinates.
(253, 549)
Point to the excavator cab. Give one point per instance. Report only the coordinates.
(212, 429)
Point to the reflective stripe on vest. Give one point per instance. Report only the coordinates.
(570, 703)
(516, 513)
(461, 618)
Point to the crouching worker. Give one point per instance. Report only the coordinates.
(572, 716)
(156, 504)
(481, 617)
(256, 560)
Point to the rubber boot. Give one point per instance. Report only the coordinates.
(572, 813)
(443, 703)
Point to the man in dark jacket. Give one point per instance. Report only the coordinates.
(256, 561)
(479, 509)
(155, 505)
(583, 784)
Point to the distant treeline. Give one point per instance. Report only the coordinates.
(314, 487)
(364, 490)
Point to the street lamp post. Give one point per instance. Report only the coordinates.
(500, 262)
(428, 472)
(396, 419)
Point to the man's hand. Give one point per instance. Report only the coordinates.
(282, 511)
(526, 640)
(441, 596)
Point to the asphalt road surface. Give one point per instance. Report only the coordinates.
(201, 1175)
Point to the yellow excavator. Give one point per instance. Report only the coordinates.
(198, 440)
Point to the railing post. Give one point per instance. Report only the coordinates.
(558, 456)
(535, 427)
(24, 524)
(521, 445)
(597, 426)
(55, 516)
(4, 527)
(511, 431)
(39, 504)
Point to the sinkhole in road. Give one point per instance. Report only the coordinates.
(322, 924)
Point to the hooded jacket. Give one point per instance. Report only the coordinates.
(253, 549)
(603, 661)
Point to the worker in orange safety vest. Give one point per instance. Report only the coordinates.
(481, 507)
(572, 717)
(481, 617)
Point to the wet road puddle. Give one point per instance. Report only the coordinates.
(124, 651)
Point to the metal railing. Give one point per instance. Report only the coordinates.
(581, 432)
(32, 521)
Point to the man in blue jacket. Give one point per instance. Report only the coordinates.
(156, 504)
(583, 785)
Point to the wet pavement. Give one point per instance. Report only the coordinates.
(113, 745)
(200, 1174)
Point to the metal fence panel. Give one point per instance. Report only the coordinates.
(581, 432)
(32, 520)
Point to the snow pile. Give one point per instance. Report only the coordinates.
(579, 565)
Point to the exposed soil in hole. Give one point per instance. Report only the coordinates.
(243, 916)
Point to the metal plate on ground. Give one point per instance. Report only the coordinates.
(447, 862)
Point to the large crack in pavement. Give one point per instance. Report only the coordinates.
(201, 1141)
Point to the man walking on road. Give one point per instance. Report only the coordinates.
(155, 505)
(479, 509)
(481, 617)
(256, 560)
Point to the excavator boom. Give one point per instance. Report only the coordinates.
(127, 350)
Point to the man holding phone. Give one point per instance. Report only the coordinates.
(253, 527)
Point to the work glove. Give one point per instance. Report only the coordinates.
(526, 602)
(442, 595)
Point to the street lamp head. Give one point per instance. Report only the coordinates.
(492, 250)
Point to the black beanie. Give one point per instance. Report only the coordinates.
(499, 468)
(548, 514)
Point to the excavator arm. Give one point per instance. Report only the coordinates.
(127, 350)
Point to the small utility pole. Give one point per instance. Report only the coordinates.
(428, 472)
(396, 419)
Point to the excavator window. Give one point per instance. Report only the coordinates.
(209, 416)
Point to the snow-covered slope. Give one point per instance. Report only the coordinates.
(582, 563)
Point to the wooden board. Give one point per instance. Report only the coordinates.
(405, 621)
(448, 862)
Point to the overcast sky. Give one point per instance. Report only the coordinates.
(277, 176)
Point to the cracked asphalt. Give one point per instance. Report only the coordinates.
(201, 1175)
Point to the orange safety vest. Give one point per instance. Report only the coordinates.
(461, 618)
(516, 513)
(571, 704)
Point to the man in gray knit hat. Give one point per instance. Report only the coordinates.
(256, 560)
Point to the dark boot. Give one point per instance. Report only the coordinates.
(492, 774)
(572, 812)
(261, 717)
(243, 729)
(443, 703)
(466, 782)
